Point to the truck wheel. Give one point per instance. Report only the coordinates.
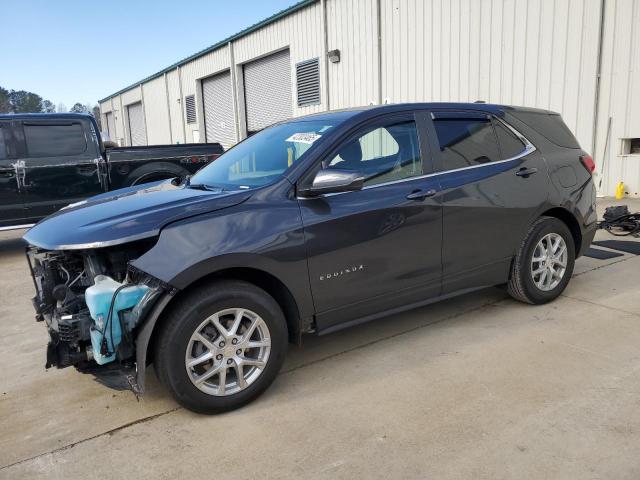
(153, 172)
(544, 263)
(221, 346)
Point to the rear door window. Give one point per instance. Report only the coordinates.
(54, 140)
(510, 145)
(465, 140)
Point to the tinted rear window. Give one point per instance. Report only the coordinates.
(549, 125)
(466, 142)
(54, 140)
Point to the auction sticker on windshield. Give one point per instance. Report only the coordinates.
(308, 137)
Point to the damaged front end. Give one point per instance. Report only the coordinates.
(93, 303)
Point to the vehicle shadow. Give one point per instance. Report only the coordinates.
(11, 243)
(318, 348)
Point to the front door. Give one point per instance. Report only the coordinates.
(61, 165)
(493, 182)
(378, 248)
(12, 211)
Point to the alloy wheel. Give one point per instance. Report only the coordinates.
(228, 351)
(549, 262)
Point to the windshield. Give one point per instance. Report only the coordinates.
(263, 157)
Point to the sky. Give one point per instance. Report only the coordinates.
(70, 51)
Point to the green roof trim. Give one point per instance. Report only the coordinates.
(221, 43)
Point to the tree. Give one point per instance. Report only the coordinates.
(25, 102)
(95, 111)
(5, 104)
(79, 108)
(48, 107)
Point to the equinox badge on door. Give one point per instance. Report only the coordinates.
(339, 273)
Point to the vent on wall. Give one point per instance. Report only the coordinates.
(308, 82)
(630, 146)
(190, 108)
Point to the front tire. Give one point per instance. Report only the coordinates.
(544, 263)
(221, 346)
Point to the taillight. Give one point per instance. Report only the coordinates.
(588, 163)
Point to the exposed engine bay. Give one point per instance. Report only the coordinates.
(92, 302)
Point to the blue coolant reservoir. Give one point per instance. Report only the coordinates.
(98, 299)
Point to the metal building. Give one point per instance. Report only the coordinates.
(571, 56)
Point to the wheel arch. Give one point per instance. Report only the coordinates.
(143, 173)
(260, 278)
(569, 219)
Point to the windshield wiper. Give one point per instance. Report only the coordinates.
(186, 183)
(203, 186)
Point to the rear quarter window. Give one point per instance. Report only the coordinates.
(550, 126)
(510, 145)
(50, 140)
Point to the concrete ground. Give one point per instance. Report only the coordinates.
(476, 387)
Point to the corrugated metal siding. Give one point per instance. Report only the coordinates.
(156, 114)
(540, 53)
(131, 96)
(110, 125)
(190, 74)
(113, 106)
(301, 32)
(351, 28)
(521, 52)
(619, 97)
(175, 107)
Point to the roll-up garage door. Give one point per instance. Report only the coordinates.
(137, 131)
(217, 98)
(111, 126)
(267, 90)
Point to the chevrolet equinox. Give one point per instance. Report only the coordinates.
(309, 226)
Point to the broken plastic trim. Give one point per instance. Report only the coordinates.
(146, 312)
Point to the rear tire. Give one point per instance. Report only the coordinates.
(544, 263)
(221, 346)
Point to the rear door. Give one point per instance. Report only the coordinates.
(493, 183)
(12, 211)
(378, 248)
(61, 165)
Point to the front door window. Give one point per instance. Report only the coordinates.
(382, 154)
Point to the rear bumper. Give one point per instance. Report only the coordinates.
(587, 237)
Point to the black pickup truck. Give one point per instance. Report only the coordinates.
(48, 161)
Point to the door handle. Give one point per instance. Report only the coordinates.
(525, 172)
(421, 194)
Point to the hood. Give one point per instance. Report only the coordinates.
(125, 215)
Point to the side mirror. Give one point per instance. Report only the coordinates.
(334, 181)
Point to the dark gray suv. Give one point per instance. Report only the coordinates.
(310, 226)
